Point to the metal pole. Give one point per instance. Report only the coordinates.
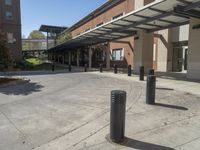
(151, 89)
(129, 70)
(117, 116)
(101, 68)
(70, 68)
(85, 69)
(142, 73)
(115, 69)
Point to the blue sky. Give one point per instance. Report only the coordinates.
(54, 12)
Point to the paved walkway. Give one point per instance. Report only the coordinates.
(71, 111)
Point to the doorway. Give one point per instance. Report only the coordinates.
(180, 57)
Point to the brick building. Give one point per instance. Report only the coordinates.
(158, 34)
(10, 25)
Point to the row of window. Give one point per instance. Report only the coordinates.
(117, 55)
(113, 18)
(8, 14)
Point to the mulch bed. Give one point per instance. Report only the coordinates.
(7, 80)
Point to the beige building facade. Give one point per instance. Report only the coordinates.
(10, 25)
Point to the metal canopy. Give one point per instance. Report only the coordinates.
(159, 15)
(52, 29)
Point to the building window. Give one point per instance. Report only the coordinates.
(10, 38)
(118, 54)
(9, 15)
(117, 16)
(99, 24)
(8, 2)
(87, 30)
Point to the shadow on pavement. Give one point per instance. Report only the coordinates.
(167, 89)
(171, 106)
(135, 144)
(21, 89)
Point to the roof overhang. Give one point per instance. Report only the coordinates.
(52, 29)
(159, 15)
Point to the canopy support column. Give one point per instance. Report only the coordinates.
(90, 57)
(143, 55)
(69, 58)
(78, 57)
(63, 58)
(108, 54)
(193, 51)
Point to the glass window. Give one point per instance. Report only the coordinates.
(10, 38)
(87, 30)
(117, 54)
(8, 2)
(117, 16)
(9, 15)
(99, 24)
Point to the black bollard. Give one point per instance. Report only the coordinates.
(101, 68)
(129, 70)
(115, 69)
(53, 67)
(85, 67)
(151, 89)
(151, 72)
(70, 68)
(141, 73)
(117, 116)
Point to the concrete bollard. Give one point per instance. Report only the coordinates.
(85, 67)
(115, 69)
(141, 73)
(151, 72)
(70, 68)
(151, 89)
(117, 116)
(129, 70)
(101, 68)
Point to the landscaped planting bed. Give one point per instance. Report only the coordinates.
(7, 80)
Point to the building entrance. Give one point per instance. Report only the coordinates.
(180, 56)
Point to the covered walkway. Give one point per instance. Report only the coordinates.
(142, 24)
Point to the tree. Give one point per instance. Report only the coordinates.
(63, 37)
(5, 59)
(35, 34)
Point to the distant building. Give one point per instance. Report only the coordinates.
(10, 24)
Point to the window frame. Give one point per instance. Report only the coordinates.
(99, 24)
(121, 54)
(8, 15)
(119, 15)
(8, 2)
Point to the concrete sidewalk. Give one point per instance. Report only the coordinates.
(71, 111)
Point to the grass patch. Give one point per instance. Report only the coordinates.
(36, 64)
(33, 61)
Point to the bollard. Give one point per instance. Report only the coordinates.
(85, 68)
(151, 72)
(129, 70)
(117, 116)
(141, 73)
(115, 69)
(101, 68)
(70, 68)
(151, 89)
(53, 67)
